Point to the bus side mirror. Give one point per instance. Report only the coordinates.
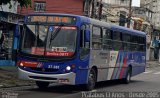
(87, 35)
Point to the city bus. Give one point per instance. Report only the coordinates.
(77, 50)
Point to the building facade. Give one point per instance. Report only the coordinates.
(154, 6)
(153, 17)
(8, 21)
(118, 2)
(117, 11)
(54, 6)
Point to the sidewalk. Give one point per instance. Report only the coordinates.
(9, 78)
(151, 64)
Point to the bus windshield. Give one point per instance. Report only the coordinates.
(44, 40)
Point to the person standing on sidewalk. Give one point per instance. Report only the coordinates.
(1, 41)
(155, 44)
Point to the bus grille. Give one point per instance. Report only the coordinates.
(42, 78)
(43, 69)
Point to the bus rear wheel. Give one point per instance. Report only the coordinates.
(127, 79)
(91, 80)
(42, 85)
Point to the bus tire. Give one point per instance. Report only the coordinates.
(42, 85)
(127, 79)
(91, 80)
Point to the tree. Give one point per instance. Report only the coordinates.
(23, 3)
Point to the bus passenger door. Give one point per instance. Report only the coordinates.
(84, 42)
(84, 50)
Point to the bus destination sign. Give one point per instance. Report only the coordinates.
(52, 19)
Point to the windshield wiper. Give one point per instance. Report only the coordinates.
(54, 34)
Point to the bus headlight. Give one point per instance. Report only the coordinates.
(68, 68)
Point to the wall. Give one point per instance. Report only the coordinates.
(57, 6)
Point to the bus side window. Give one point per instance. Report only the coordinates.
(117, 40)
(126, 41)
(97, 38)
(84, 46)
(107, 45)
(134, 43)
(82, 37)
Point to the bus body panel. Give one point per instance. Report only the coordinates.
(79, 73)
(114, 65)
(99, 59)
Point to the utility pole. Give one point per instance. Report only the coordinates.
(100, 10)
(93, 9)
(129, 14)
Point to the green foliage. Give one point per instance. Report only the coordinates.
(23, 3)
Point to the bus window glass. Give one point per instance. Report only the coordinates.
(116, 35)
(83, 27)
(141, 47)
(136, 39)
(133, 39)
(61, 42)
(107, 33)
(107, 39)
(96, 41)
(125, 46)
(34, 41)
(49, 40)
(84, 46)
(117, 43)
(134, 47)
(126, 37)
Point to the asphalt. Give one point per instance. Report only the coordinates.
(145, 85)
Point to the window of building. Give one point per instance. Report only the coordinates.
(39, 6)
(124, 1)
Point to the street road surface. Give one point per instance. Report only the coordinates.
(148, 81)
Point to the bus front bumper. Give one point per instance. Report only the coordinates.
(68, 78)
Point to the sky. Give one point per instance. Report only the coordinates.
(136, 3)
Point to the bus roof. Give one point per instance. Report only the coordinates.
(98, 23)
(52, 14)
(127, 30)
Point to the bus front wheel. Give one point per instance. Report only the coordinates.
(91, 80)
(42, 85)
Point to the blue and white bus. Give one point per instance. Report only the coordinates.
(73, 50)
